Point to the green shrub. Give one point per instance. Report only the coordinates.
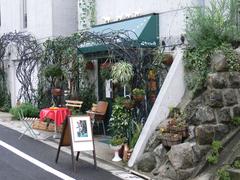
(236, 121)
(236, 164)
(213, 157)
(223, 174)
(212, 25)
(28, 110)
(119, 120)
(208, 29)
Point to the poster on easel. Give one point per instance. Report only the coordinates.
(81, 133)
(77, 133)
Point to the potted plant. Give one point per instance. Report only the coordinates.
(53, 74)
(116, 144)
(122, 72)
(119, 121)
(105, 70)
(138, 94)
(89, 65)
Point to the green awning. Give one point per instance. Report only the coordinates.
(145, 28)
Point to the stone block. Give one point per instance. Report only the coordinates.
(223, 115)
(229, 97)
(218, 62)
(205, 134)
(167, 171)
(147, 162)
(236, 111)
(220, 131)
(153, 142)
(201, 150)
(214, 98)
(205, 114)
(217, 80)
(234, 79)
(181, 156)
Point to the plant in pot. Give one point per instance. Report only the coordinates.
(105, 70)
(122, 72)
(119, 120)
(138, 94)
(116, 144)
(54, 74)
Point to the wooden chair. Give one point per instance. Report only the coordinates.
(99, 115)
(74, 104)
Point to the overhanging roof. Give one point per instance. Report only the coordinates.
(145, 28)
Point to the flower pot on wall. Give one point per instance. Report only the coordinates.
(152, 85)
(56, 92)
(138, 98)
(167, 59)
(89, 65)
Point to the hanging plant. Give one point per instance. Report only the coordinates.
(122, 72)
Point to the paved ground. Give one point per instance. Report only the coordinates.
(13, 165)
(45, 152)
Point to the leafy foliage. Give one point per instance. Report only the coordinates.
(28, 110)
(213, 157)
(223, 174)
(119, 120)
(136, 134)
(208, 29)
(236, 164)
(236, 121)
(138, 92)
(122, 72)
(117, 140)
(211, 26)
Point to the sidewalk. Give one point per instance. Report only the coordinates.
(103, 152)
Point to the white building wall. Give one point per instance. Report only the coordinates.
(40, 21)
(65, 20)
(45, 19)
(10, 15)
(172, 13)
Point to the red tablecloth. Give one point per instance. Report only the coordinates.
(58, 115)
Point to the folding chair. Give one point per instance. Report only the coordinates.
(27, 122)
(99, 115)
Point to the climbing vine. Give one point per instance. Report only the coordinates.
(87, 13)
(29, 52)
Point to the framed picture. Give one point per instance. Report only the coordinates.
(81, 128)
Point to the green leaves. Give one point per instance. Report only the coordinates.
(122, 72)
(119, 120)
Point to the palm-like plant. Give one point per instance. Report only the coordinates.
(122, 72)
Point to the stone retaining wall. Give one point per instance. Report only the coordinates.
(209, 118)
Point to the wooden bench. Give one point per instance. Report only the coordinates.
(74, 104)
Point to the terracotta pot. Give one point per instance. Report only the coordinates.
(56, 92)
(106, 65)
(167, 59)
(153, 98)
(152, 85)
(138, 98)
(182, 130)
(169, 139)
(89, 65)
(128, 104)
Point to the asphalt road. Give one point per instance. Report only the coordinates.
(14, 167)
